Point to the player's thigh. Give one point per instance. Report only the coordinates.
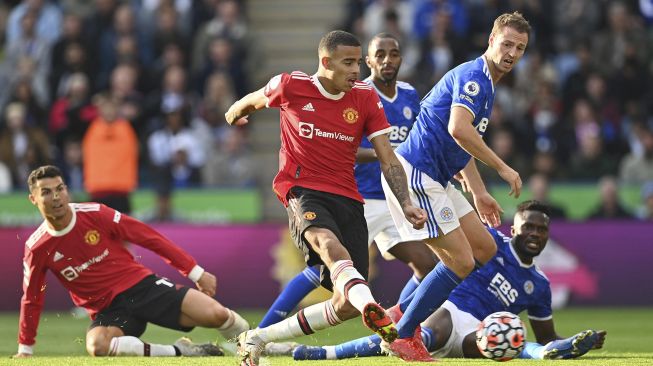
(454, 251)
(159, 302)
(199, 309)
(98, 339)
(480, 240)
(311, 223)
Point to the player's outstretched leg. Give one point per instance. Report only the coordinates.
(571, 347)
(190, 349)
(300, 286)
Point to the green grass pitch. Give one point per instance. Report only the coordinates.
(61, 341)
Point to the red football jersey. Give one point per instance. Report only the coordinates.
(320, 133)
(90, 259)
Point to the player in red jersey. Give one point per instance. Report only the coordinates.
(323, 118)
(82, 244)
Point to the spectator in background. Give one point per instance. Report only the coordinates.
(645, 211)
(72, 166)
(638, 168)
(610, 206)
(72, 114)
(172, 92)
(124, 81)
(538, 184)
(230, 162)
(175, 156)
(110, 151)
(589, 160)
(47, 20)
(29, 56)
(375, 15)
(22, 147)
(228, 23)
(71, 54)
(22, 91)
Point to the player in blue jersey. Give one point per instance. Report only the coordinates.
(510, 281)
(442, 144)
(401, 105)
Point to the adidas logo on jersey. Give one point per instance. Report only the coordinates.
(57, 256)
(308, 107)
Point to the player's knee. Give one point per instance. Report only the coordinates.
(219, 314)
(98, 346)
(463, 267)
(343, 308)
(484, 250)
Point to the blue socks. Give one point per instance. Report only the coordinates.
(409, 288)
(532, 351)
(428, 296)
(300, 286)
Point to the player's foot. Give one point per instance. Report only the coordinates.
(280, 348)
(408, 349)
(395, 313)
(303, 352)
(250, 347)
(190, 349)
(571, 347)
(375, 318)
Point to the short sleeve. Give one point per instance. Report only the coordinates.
(376, 122)
(541, 309)
(470, 91)
(274, 90)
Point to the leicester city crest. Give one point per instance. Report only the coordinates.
(529, 287)
(446, 214)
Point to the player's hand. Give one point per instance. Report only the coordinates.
(512, 178)
(463, 183)
(601, 340)
(241, 121)
(488, 209)
(21, 355)
(207, 283)
(415, 216)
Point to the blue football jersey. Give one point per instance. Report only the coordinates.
(504, 284)
(400, 112)
(429, 146)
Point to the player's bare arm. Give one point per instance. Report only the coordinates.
(396, 177)
(461, 129)
(488, 208)
(252, 102)
(366, 155)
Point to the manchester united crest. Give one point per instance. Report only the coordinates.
(350, 115)
(310, 215)
(92, 237)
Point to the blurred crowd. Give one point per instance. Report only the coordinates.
(124, 94)
(131, 93)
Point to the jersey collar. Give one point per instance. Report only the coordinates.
(486, 71)
(521, 264)
(380, 93)
(65, 230)
(323, 91)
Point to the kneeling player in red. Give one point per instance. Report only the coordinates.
(83, 245)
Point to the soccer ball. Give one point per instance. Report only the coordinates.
(501, 336)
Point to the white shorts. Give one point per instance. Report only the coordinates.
(462, 324)
(443, 205)
(380, 226)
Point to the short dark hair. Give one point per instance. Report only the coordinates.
(533, 205)
(46, 171)
(333, 39)
(513, 20)
(384, 35)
